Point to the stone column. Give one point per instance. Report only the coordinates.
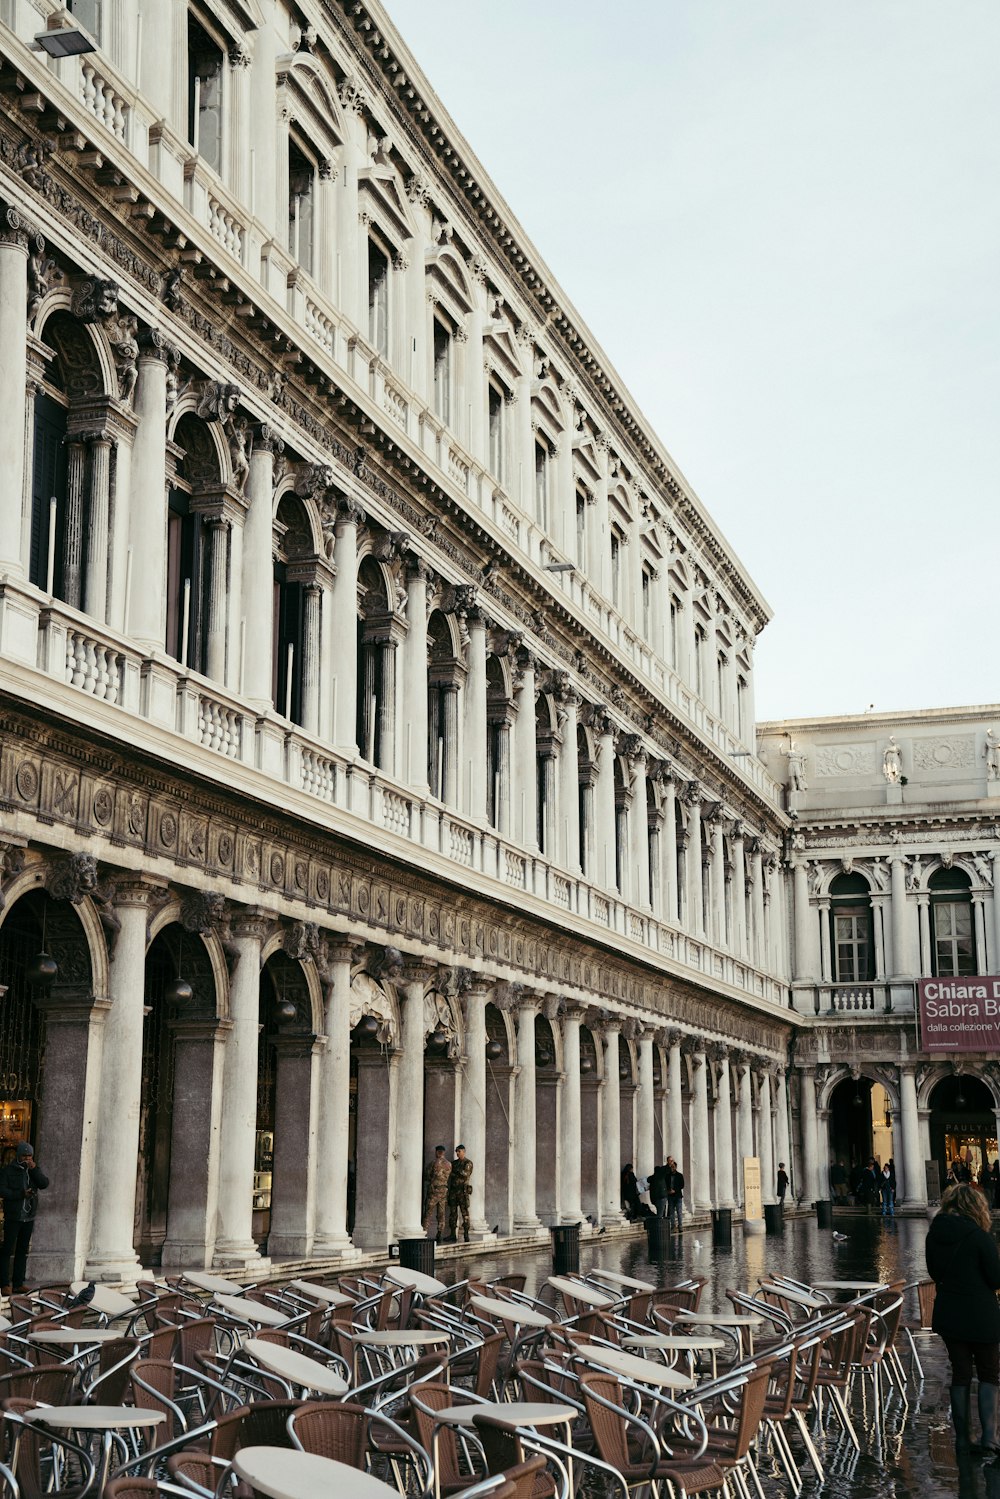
(810, 1136)
(345, 624)
(525, 784)
(639, 825)
(567, 845)
(450, 793)
(914, 1179)
(902, 946)
(611, 1127)
(95, 582)
(805, 930)
(523, 1144)
(388, 707)
(718, 880)
(739, 892)
(766, 1148)
(334, 1088)
(234, 1244)
(782, 1142)
(258, 570)
(757, 905)
(825, 955)
(744, 1128)
(76, 470)
(473, 794)
(724, 1135)
(310, 658)
(675, 1102)
(293, 1208)
(671, 912)
(147, 532)
(415, 678)
(473, 1109)
(646, 1144)
(112, 1256)
(605, 832)
(700, 1192)
(692, 871)
(218, 563)
(13, 377)
(410, 1106)
(570, 1119)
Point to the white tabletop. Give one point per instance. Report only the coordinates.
(328, 1294)
(400, 1338)
(95, 1417)
(581, 1292)
(719, 1319)
(251, 1311)
(683, 1343)
(296, 1368)
(507, 1413)
(617, 1279)
(206, 1282)
(5, 1322)
(801, 1298)
(111, 1303)
(415, 1280)
(849, 1285)
(283, 1474)
(73, 1337)
(641, 1370)
(511, 1311)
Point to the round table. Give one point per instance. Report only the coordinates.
(850, 1285)
(283, 1474)
(329, 1295)
(251, 1311)
(511, 1311)
(800, 1298)
(299, 1370)
(617, 1279)
(110, 1303)
(579, 1291)
(103, 1418)
(506, 1412)
(678, 1343)
(414, 1280)
(395, 1338)
(738, 1324)
(213, 1283)
(73, 1337)
(630, 1366)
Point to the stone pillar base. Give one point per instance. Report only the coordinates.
(530, 1228)
(240, 1257)
(335, 1249)
(112, 1269)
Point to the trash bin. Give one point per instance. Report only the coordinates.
(774, 1218)
(824, 1213)
(657, 1238)
(722, 1228)
(417, 1254)
(565, 1248)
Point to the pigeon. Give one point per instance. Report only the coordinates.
(84, 1297)
(601, 1231)
(496, 1228)
(697, 1244)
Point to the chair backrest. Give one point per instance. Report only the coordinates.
(194, 1470)
(264, 1424)
(160, 1344)
(152, 1382)
(46, 1384)
(194, 1337)
(487, 1362)
(607, 1425)
(750, 1411)
(329, 1428)
(512, 1282)
(926, 1297)
(113, 1370)
(131, 1488)
(425, 1399)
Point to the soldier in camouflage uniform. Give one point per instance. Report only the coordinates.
(436, 1176)
(459, 1193)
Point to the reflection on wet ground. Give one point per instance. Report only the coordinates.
(910, 1453)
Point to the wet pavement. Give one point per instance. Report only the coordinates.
(912, 1456)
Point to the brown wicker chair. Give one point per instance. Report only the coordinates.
(425, 1400)
(611, 1425)
(153, 1383)
(331, 1428)
(31, 1444)
(114, 1366)
(46, 1384)
(260, 1424)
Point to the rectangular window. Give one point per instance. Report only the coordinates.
(301, 201)
(378, 299)
(616, 570)
(699, 662)
(542, 485)
(852, 944)
(442, 372)
(204, 95)
(954, 942)
(497, 433)
(581, 530)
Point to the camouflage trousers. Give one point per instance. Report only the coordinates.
(458, 1205)
(435, 1207)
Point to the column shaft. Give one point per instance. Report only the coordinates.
(258, 578)
(810, 1137)
(611, 1126)
(473, 798)
(914, 1179)
(345, 627)
(333, 1117)
(473, 1110)
(215, 635)
(410, 1113)
(523, 1143)
(724, 1139)
(568, 841)
(700, 1195)
(646, 1144)
(764, 1135)
(237, 1138)
(525, 784)
(675, 1108)
(76, 468)
(310, 659)
(415, 680)
(95, 586)
(147, 531)
(570, 1121)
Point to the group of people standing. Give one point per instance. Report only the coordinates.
(665, 1186)
(447, 1188)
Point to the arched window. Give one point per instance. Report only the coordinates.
(301, 203)
(852, 930)
(376, 668)
(187, 545)
(443, 671)
(953, 941)
(289, 634)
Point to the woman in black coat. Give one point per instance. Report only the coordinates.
(963, 1260)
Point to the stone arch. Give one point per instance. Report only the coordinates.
(939, 1072)
(865, 1071)
(88, 951)
(194, 944)
(83, 353)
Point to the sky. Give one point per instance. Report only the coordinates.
(781, 221)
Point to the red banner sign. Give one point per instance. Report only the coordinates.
(961, 1014)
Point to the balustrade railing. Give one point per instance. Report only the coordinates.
(104, 101)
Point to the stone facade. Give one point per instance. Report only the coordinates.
(376, 754)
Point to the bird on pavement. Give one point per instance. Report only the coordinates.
(84, 1297)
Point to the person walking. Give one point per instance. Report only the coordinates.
(459, 1194)
(782, 1182)
(436, 1175)
(886, 1192)
(675, 1196)
(963, 1260)
(631, 1205)
(658, 1190)
(20, 1183)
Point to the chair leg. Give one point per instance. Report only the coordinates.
(809, 1444)
(915, 1363)
(840, 1405)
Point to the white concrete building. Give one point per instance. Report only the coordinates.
(377, 759)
